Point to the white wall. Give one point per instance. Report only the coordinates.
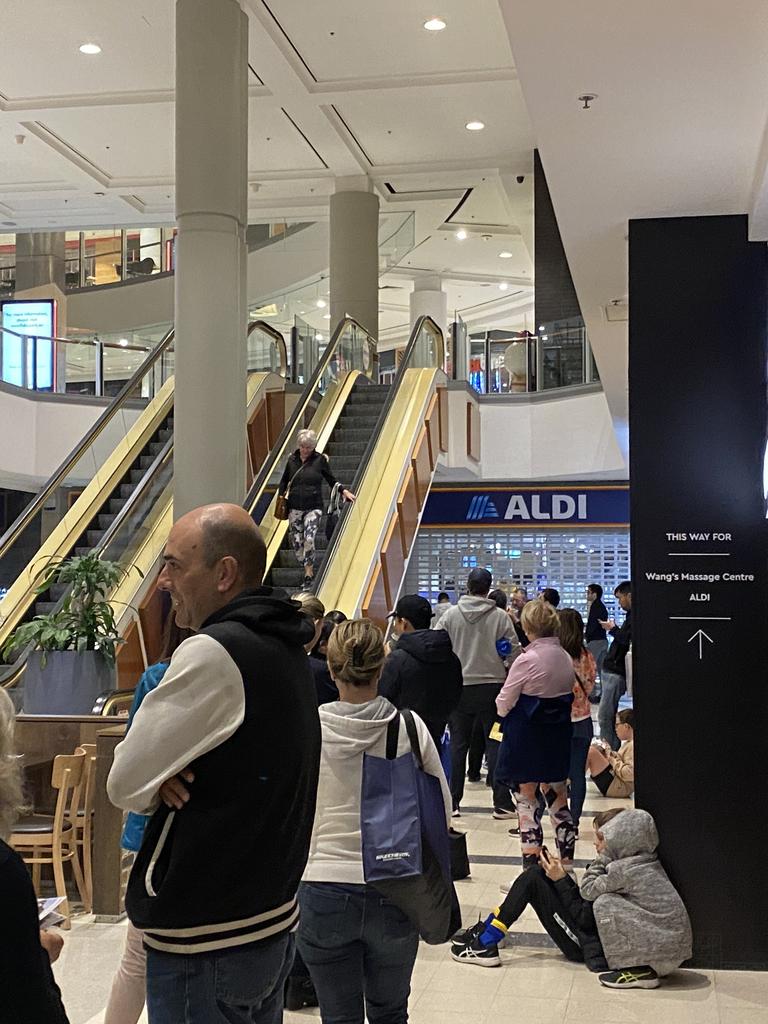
(272, 269)
(38, 434)
(534, 439)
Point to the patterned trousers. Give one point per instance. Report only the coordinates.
(302, 530)
(531, 812)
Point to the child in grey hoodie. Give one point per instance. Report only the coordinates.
(626, 911)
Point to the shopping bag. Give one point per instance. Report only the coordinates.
(405, 845)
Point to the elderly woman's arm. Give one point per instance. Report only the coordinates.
(330, 479)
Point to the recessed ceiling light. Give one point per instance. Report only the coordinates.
(321, 303)
(461, 234)
(434, 25)
(123, 343)
(326, 316)
(90, 48)
(319, 337)
(503, 286)
(474, 126)
(506, 255)
(542, 327)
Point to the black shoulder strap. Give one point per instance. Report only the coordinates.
(413, 736)
(393, 733)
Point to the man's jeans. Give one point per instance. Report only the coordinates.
(230, 986)
(360, 950)
(614, 688)
(598, 649)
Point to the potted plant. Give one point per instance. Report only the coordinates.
(72, 659)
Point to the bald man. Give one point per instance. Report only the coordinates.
(224, 754)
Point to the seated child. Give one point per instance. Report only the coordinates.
(613, 771)
(625, 919)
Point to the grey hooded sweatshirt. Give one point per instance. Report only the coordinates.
(348, 732)
(640, 917)
(475, 625)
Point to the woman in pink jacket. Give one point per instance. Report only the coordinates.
(535, 704)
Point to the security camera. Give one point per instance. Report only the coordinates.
(520, 179)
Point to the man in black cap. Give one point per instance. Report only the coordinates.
(483, 637)
(422, 673)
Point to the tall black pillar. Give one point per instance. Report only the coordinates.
(698, 427)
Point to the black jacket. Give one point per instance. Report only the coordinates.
(28, 993)
(582, 917)
(325, 688)
(424, 675)
(617, 652)
(597, 613)
(307, 489)
(224, 871)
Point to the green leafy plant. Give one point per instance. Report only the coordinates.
(85, 621)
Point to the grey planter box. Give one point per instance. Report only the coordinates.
(68, 685)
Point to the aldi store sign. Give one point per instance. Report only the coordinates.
(588, 506)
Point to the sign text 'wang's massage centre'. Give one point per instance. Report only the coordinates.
(528, 506)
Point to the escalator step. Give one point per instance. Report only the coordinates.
(137, 475)
(336, 450)
(288, 578)
(105, 520)
(155, 448)
(356, 422)
(93, 537)
(80, 551)
(164, 435)
(56, 590)
(116, 505)
(44, 607)
(146, 461)
(343, 434)
(126, 490)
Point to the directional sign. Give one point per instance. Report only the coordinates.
(701, 636)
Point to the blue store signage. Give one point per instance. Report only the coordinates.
(528, 506)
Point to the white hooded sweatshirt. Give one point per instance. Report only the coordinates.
(348, 732)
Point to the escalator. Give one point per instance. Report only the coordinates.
(113, 493)
(383, 442)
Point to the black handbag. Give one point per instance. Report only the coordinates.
(459, 856)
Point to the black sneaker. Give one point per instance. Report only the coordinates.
(299, 992)
(631, 977)
(530, 860)
(467, 935)
(475, 952)
(474, 778)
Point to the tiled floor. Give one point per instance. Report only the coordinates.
(534, 985)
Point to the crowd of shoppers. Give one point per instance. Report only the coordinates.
(241, 771)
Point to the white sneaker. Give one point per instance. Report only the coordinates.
(500, 814)
(456, 813)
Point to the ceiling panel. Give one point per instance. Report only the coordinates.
(430, 127)
(127, 142)
(136, 39)
(275, 144)
(347, 40)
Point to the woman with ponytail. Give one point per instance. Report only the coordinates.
(359, 947)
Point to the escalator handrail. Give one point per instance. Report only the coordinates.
(278, 449)
(276, 337)
(422, 323)
(115, 406)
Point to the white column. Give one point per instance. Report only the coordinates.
(429, 299)
(354, 262)
(211, 213)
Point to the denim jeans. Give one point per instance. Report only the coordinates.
(614, 688)
(360, 950)
(580, 740)
(598, 649)
(230, 986)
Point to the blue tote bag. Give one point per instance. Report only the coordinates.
(405, 843)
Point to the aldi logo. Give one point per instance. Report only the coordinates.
(481, 507)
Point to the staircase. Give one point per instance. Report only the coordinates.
(345, 450)
(106, 515)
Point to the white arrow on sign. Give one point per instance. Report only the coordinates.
(702, 636)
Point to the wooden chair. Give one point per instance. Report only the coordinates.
(52, 839)
(84, 821)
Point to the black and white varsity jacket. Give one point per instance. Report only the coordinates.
(236, 706)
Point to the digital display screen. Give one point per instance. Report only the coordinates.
(28, 364)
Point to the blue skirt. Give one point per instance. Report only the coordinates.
(536, 744)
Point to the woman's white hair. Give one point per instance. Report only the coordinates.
(10, 772)
(308, 438)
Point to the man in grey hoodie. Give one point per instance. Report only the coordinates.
(484, 638)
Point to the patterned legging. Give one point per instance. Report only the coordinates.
(302, 529)
(531, 811)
